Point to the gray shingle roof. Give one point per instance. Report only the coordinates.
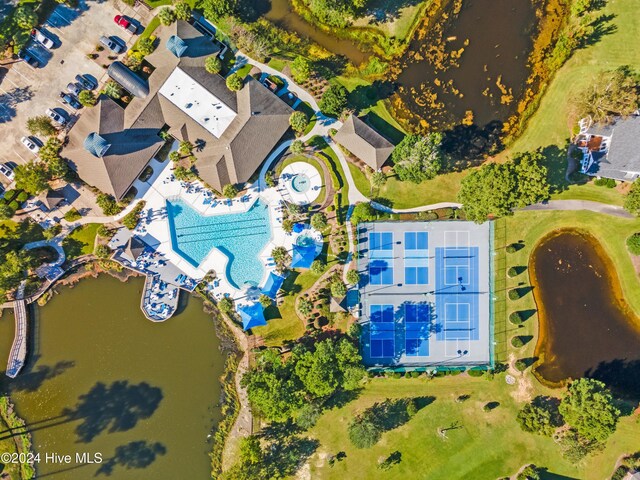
(622, 161)
(364, 142)
(51, 198)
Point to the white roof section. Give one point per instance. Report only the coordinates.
(196, 101)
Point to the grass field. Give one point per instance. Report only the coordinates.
(80, 241)
(483, 445)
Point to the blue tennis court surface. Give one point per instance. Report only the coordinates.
(457, 293)
(425, 293)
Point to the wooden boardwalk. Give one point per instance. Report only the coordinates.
(18, 354)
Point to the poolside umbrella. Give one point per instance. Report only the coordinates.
(252, 315)
(298, 227)
(303, 256)
(273, 284)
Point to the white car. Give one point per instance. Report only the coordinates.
(42, 38)
(7, 171)
(31, 144)
(56, 117)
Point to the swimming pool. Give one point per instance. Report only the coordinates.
(239, 236)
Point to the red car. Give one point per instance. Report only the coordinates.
(125, 23)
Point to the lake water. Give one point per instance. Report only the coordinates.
(103, 378)
(586, 326)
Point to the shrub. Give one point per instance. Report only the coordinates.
(298, 121)
(513, 271)
(521, 365)
(475, 372)
(512, 248)
(317, 267)
(146, 46)
(113, 90)
(103, 231)
(516, 318)
(72, 215)
(166, 16)
(514, 294)
(319, 221)
(102, 251)
(87, 98)
(14, 205)
(225, 305)
(234, 82)
(300, 69)
(633, 243)
(517, 341)
(213, 65)
(353, 277)
(229, 191)
(22, 197)
(297, 147)
(334, 100)
(182, 11)
(132, 218)
(605, 182)
(338, 289)
(363, 432)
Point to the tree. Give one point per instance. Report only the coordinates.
(588, 408)
(6, 211)
(13, 268)
(614, 93)
(353, 277)
(298, 121)
(319, 221)
(282, 258)
(32, 177)
(87, 98)
(112, 89)
(57, 168)
(317, 267)
(363, 432)
(52, 231)
(182, 11)
(146, 45)
(632, 199)
(108, 204)
(186, 147)
(363, 212)
(182, 173)
(229, 190)
(541, 416)
(334, 100)
(307, 416)
(297, 147)
(250, 451)
(530, 472)
(531, 177)
(287, 225)
(301, 69)
(234, 82)
(213, 64)
(633, 243)
(226, 305)
(491, 189)
(41, 125)
(378, 179)
(338, 289)
(216, 9)
(174, 156)
(102, 251)
(103, 231)
(265, 301)
(25, 17)
(418, 158)
(166, 16)
(50, 149)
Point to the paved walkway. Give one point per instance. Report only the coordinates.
(596, 207)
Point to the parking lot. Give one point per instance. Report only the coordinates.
(27, 92)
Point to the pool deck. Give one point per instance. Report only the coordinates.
(312, 175)
(154, 230)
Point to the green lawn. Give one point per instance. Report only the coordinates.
(486, 445)
(80, 241)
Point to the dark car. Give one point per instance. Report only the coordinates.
(70, 100)
(29, 58)
(125, 23)
(111, 44)
(86, 82)
(74, 88)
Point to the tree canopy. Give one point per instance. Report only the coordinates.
(588, 408)
(216, 9)
(298, 121)
(213, 64)
(363, 212)
(540, 416)
(41, 125)
(418, 158)
(497, 188)
(334, 100)
(32, 177)
(234, 82)
(632, 199)
(301, 69)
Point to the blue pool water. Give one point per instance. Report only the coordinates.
(240, 236)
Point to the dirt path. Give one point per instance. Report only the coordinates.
(524, 386)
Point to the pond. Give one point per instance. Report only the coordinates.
(471, 69)
(586, 327)
(102, 378)
(282, 14)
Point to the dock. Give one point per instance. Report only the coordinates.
(18, 354)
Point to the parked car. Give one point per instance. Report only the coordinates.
(31, 144)
(56, 117)
(111, 44)
(74, 88)
(43, 38)
(28, 57)
(70, 100)
(7, 171)
(125, 23)
(87, 82)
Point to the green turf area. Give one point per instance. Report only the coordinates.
(277, 63)
(549, 126)
(243, 71)
(400, 25)
(486, 445)
(80, 241)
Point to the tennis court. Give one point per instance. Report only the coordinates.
(425, 293)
